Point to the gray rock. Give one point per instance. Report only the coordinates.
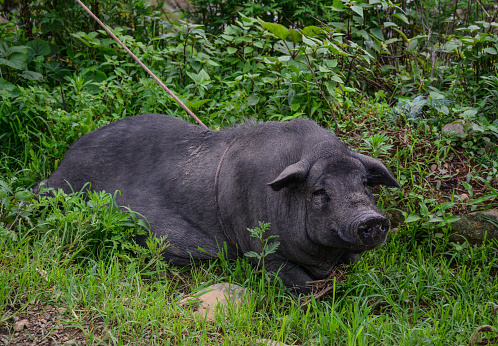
(19, 325)
(268, 342)
(207, 300)
(474, 226)
(457, 127)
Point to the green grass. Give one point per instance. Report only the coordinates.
(403, 293)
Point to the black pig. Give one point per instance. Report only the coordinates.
(201, 188)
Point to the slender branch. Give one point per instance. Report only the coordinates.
(143, 66)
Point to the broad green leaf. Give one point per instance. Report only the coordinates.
(334, 49)
(39, 47)
(331, 63)
(337, 79)
(363, 34)
(338, 4)
(281, 47)
(470, 112)
(23, 196)
(229, 38)
(330, 88)
(451, 219)
(402, 34)
(16, 60)
(231, 50)
(401, 17)
(309, 41)
(8, 63)
(95, 78)
(377, 33)
(412, 218)
(295, 36)
(248, 50)
(311, 31)
(276, 29)
(194, 106)
(31, 75)
(444, 109)
(451, 46)
(392, 40)
(252, 100)
(412, 45)
(358, 10)
(212, 63)
(9, 88)
(490, 50)
(203, 75)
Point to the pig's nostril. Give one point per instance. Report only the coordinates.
(373, 230)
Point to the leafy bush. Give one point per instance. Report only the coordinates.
(217, 15)
(89, 224)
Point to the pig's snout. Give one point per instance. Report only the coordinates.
(373, 230)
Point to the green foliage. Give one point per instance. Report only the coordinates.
(89, 226)
(217, 15)
(90, 222)
(15, 210)
(267, 248)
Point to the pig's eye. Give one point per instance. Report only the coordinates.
(365, 183)
(320, 197)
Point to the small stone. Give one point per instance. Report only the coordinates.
(268, 342)
(446, 165)
(433, 167)
(18, 326)
(458, 127)
(189, 301)
(455, 127)
(215, 295)
(464, 197)
(473, 226)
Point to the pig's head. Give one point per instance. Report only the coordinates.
(340, 209)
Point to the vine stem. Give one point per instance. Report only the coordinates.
(142, 64)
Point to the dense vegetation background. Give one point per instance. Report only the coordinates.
(386, 77)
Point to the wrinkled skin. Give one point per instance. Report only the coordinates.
(296, 175)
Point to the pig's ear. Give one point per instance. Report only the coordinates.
(377, 173)
(291, 175)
